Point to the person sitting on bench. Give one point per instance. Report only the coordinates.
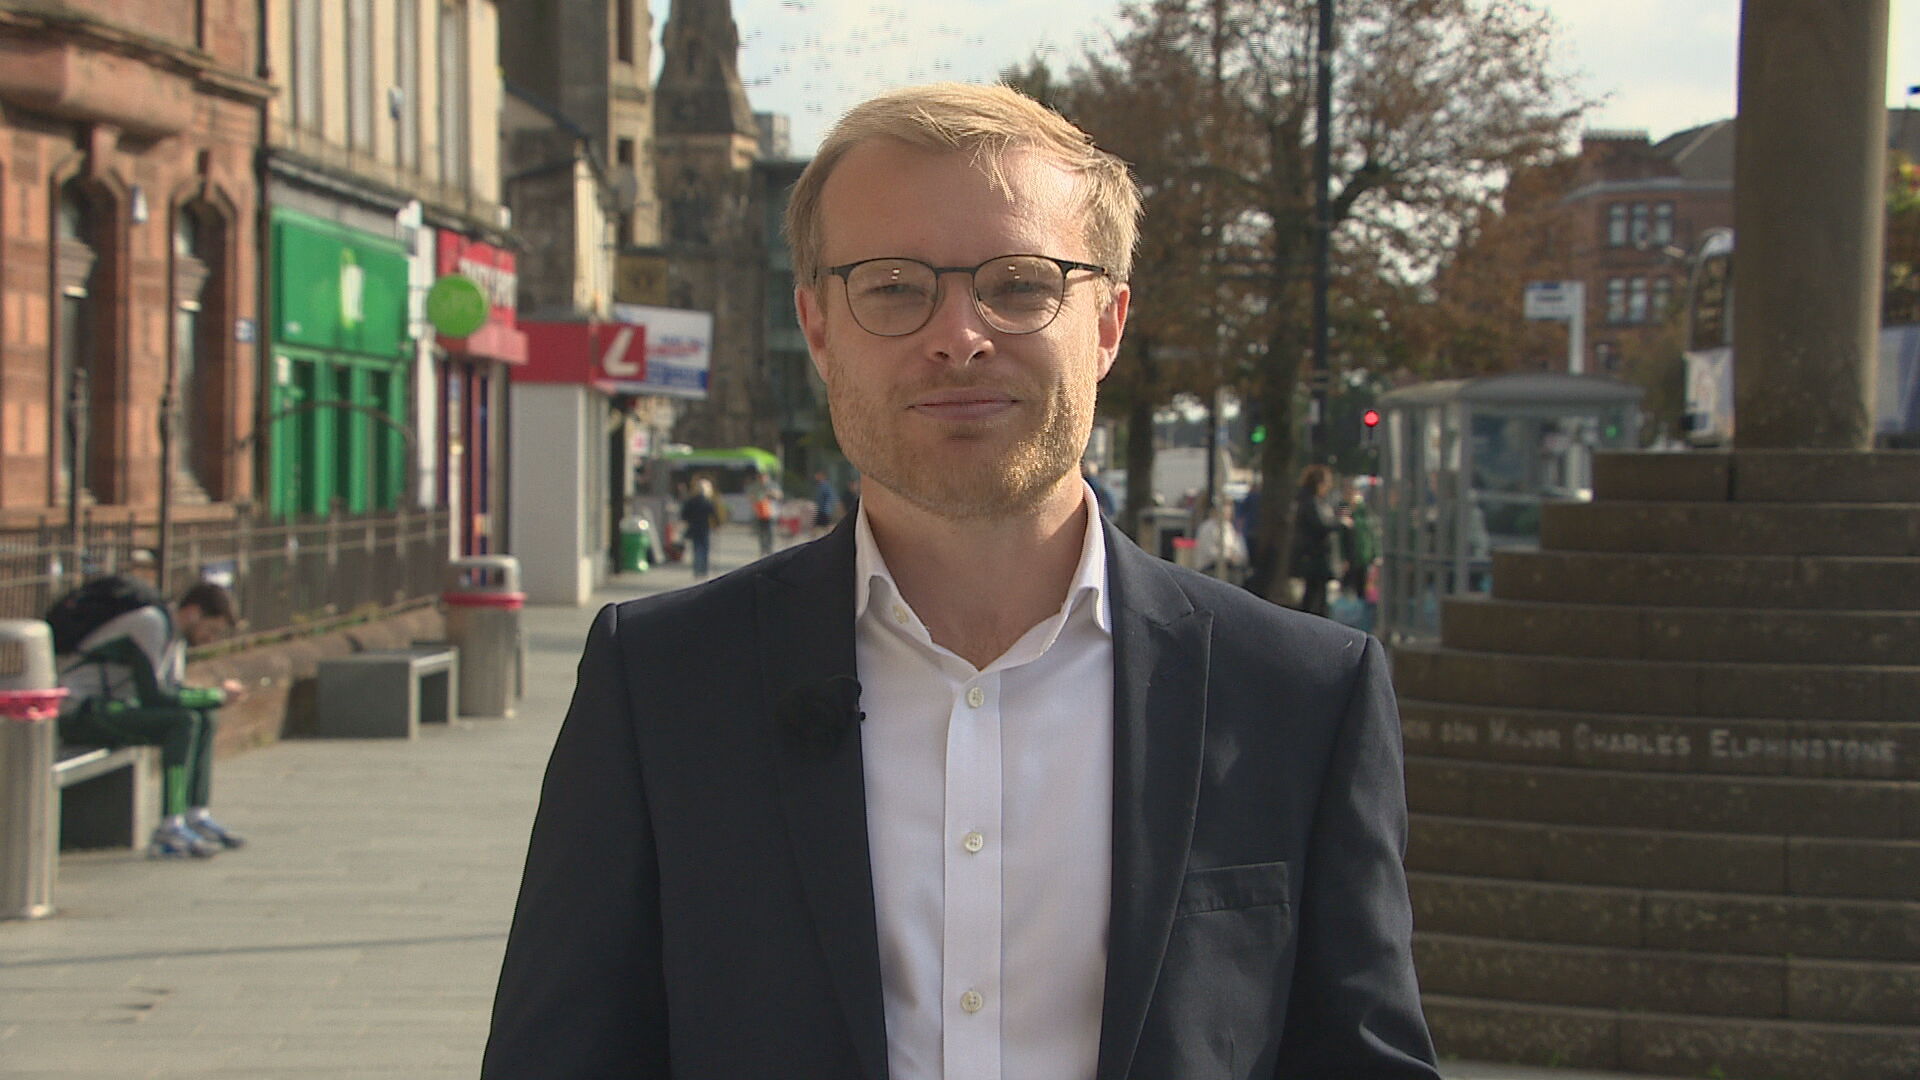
(125, 688)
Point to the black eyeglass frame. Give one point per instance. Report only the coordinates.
(1067, 267)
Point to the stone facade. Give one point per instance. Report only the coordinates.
(127, 134)
(714, 232)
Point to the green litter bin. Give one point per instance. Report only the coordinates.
(636, 540)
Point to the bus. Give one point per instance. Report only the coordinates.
(1709, 358)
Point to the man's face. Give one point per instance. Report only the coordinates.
(200, 628)
(962, 420)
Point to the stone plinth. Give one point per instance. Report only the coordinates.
(1665, 780)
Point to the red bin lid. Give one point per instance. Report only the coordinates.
(31, 705)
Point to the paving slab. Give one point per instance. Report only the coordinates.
(359, 933)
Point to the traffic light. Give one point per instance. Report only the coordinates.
(1370, 422)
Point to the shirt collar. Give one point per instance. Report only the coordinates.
(1088, 584)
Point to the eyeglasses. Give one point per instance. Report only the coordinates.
(1014, 294)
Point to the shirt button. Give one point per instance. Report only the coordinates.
(973, 842)
(971, 1001)
(976, 697)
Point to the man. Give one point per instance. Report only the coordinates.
(700, 514)
(124, 685)
(1002, 796)
(824, 500)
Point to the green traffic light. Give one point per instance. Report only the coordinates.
(1258, 435)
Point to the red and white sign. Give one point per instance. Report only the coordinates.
(495, 271)
(608, 356)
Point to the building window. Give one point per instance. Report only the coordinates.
(453, 96)
(77, 288)
(360, 75)
(306, 64)
(1639, 224)
(623, 31)
(1637, 300)
(1616, 300)
(627, 185)
(1662, 297)
(1607, 357)
(406, 51)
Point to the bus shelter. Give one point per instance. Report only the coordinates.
(1467, 465)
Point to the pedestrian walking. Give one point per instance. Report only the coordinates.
(700, 514)
(1315, 537)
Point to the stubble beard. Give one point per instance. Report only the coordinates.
(1013, 483)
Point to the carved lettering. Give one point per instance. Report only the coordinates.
(1879, 753)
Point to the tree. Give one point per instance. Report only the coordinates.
(1436, 102)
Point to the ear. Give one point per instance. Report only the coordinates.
(813, 324)
(1112, 325)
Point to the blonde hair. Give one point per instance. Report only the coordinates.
(986, 121)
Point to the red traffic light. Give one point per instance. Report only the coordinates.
(1371, 417)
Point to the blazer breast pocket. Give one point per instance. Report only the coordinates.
(1224, 981)
(1233, 888)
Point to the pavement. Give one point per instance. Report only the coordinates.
(356, 937)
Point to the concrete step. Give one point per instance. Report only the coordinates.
(1808, 582)
(1872, 869)
(1879, 530)
(1879, 931)
(1832, 749)
(1614, 799)
(1669, 688)
(1748, 636)
(1684, 983)
(1759, 476)
(1641, 1041)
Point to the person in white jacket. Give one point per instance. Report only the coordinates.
(125, 686)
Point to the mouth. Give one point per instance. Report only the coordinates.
(963, 405)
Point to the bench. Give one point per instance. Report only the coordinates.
(386, 693)
(108, 798)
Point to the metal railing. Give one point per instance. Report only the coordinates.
(283, 573)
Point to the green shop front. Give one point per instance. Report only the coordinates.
(338, 386)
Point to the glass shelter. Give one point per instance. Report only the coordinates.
(1466, 466)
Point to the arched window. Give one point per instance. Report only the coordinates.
(76, 288)
(197, 427)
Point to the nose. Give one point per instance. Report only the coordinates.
(955, 332)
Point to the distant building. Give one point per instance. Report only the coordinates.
(1628, 213)
(577, 136)
(1633, 212)
(382, 174)
(706, 141)
(128, 273)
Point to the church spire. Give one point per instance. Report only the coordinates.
(700, 92)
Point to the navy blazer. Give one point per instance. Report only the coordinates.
(698, 902)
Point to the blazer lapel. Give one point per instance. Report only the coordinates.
(805, 627)
(1160, 652)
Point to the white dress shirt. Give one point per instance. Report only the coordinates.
(989, 817)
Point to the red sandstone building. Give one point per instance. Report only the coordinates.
(128, 266)
(1634, 210)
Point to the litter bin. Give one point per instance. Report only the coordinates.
(29, 822)
(483, 601)
(636, 542)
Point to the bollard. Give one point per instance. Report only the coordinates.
(29, 815)
(483, 602)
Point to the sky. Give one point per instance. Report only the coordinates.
(1656, 65)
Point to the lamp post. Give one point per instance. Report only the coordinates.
(1322, 226)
